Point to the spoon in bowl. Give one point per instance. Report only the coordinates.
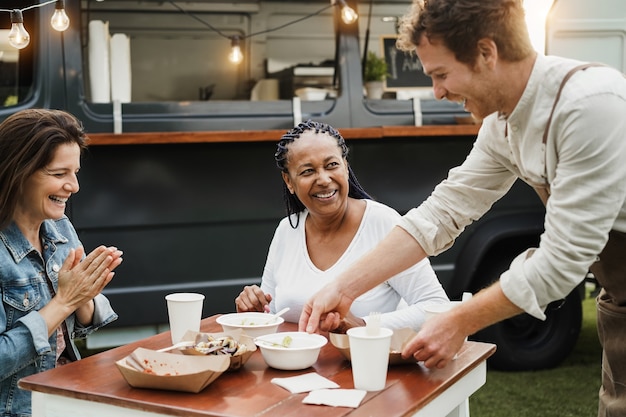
(280, 313)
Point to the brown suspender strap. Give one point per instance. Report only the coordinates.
(610, 271)
(558, 94)
(544, 192)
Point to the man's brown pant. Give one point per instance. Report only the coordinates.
(610, 271)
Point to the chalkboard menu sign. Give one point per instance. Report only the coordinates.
(405, 70)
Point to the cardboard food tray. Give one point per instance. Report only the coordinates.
(145, 368)
(398, 340)
(236, 362)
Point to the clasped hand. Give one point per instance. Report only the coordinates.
(80, 281)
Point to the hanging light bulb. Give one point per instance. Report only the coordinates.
(348, 15)
(18, 37)
(235, 56)
(60, 21)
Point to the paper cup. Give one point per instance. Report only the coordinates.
(432, 310)
(185, 312)
(370, 356)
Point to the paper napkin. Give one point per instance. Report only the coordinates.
(336, 397)
(304, 383)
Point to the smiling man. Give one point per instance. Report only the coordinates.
(548, 121)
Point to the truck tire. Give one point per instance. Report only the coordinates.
(525, 343)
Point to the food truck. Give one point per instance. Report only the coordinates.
(180, 172)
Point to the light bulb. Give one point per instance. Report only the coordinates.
(235, 56)
(348, 15)
(60, 21)
(18, 37)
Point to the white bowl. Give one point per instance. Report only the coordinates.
(300, 353)
(253, 324)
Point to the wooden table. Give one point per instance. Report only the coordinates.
(93, 387)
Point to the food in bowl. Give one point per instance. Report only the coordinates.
(251, 323)
(290, 350)
(238, 348)
(399, 338)
(223, 345)
(145, 368)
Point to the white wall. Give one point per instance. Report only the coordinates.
(589, 30)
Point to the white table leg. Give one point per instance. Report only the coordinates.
(462, 410)
(455, 401)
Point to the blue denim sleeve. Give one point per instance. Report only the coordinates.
(23, 343)
(103, 315)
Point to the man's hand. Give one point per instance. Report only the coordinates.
(315, 313)
(343, 325)
(439, 339)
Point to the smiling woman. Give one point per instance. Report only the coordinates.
(50, 290)
(330, 222)
(48, 189)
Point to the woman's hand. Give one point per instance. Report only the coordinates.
(79, 282)
(252, 298)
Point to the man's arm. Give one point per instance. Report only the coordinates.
(441, 337)
(397, 252)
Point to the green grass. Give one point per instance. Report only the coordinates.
(571, 389)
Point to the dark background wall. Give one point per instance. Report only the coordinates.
(200, 217)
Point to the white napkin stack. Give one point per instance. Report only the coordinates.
(304, 383)
(322, 391)
(336, 397)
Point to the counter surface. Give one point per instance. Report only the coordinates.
(381, 132)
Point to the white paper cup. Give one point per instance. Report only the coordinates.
(432, 310)
(370, 356)
(185, 312)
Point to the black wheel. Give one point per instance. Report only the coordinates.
(526, 343)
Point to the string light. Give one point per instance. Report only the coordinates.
(60, 21)
(235, 55)
(348, 15)
(19, 37)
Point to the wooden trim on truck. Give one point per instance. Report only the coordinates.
(380, 132)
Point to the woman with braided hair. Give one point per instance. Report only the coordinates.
(331, 221)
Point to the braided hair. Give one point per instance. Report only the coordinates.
(293, 204)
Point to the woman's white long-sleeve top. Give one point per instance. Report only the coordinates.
(291, 277)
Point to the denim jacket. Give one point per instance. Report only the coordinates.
(25, 347)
